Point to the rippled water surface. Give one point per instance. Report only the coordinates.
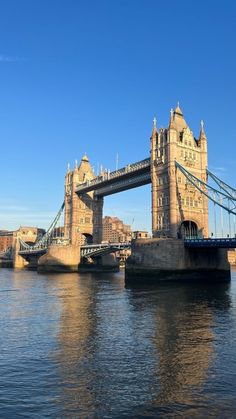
(84, 346)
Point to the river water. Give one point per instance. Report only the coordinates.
(84, 346)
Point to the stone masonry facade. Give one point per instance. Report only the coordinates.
(178, 209)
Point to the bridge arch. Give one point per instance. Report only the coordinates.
(188, 229)
(88, 238)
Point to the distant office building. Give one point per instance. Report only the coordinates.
(141, 234)
(115, 231)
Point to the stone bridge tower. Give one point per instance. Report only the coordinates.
(83, 213)
(178, 209)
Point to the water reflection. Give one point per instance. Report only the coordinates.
(184, 318)
(120, 348)
(85, 346)
(77, 324)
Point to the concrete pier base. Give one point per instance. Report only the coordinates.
(60, 259)
(156, 260)
(33, 263)
(6, 264)
(106, 263)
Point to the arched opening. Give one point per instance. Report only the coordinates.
(88, 238)
(188, 230)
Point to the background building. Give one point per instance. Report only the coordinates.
(141, 234)
(6, 238)
(27, 234)
(115, 231)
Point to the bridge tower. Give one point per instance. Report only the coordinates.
(178, 209)
(83, 213)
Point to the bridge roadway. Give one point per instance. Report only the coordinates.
(88, 250)
(103, 248)
(228, 243)
(128, 177)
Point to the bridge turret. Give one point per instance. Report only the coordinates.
(83, 213)
(202, 141)
(178, 119)
(154, 140)
(169, 218)
(85, 170)
(178, 209)
(154, 155)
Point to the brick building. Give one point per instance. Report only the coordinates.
(6, 238)
(114, 230)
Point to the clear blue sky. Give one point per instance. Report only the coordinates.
(89, 76)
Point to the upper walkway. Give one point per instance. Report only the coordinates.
(128, 177)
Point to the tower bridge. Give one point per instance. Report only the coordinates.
(180, 190)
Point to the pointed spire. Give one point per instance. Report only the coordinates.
(154, 129)
(85, 171)
(178, 110)
(85, 158)
(76, 164)
(172, 123)
(202, 132)
(68, 167)
(177, 120)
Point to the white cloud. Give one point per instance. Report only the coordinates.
(6, 59)
(13, 208)
(217, 169)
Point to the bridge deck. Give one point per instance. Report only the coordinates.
(102, 248)
(228, 243)
(130, 176)
(32, 251)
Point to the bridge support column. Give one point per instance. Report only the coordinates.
(97, 220)
(173, 221)
(154, 178)
(79, 209)
(168, 259)
(18, 261)
(60, 259)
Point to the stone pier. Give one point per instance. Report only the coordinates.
(60, 259)
(168, 260)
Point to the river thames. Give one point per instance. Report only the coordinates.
(84, 346)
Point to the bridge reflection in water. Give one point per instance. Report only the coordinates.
(86, 346)
(134, 350)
